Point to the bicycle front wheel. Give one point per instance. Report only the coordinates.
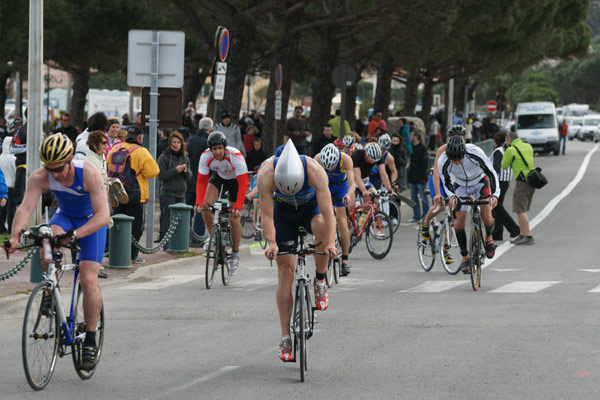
(426, 250)
(79, 335)
(212, 257)
(380, 235)
(475, 255)
(450, 253)
(39, 342)
(394, 214)
(337, 266)
(301, 325)
(225, 272)
(246, 220)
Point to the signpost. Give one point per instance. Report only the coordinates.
(343, 77)
(492, 106)
(278, 99)
(154, 59)
(220, 71)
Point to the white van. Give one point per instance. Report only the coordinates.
(537, 125)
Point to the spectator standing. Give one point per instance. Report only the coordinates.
(418, 177)
(231, 132)
(140, 161)
(404, 131)
(501, 217)
(112, 134)
(336, 122)
(175, 173)
(163, 141)
(562, 138)
(296, 128)
(97, 122)
(196, 144)
(66, 128)
(398, 150)
(523, 193)
(477, 129)
(251, 132)
(18, 147)
(323, 140)
(126, 120)
(97, 143)
(3, 128)
(256, 156)
(434, 130)
(374, 124)
(7, 165)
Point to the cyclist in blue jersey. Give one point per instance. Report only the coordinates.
(301, 198)
(340, 172)
(83, 211)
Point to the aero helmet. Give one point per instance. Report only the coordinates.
(385, 141)
(329, 156)
(217, 138)
(289, 172)
(56, 148)
(456, 149)
(348, 140)
(373, 151)
(456, 130)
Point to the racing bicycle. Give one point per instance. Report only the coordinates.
(217, 255)
(477, 245)
(367, 217)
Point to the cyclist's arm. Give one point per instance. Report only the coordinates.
(242, 181)
(358, 180)
(201, 184)
(384, 177)
(266, 187)
(436, 173)
(391, 164)
(317, 178)
(252, 193)
(37, 183)
(442, 166)
(94, 185)
(349, 166)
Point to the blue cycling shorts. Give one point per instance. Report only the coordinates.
(288, 219)
(92, 246)
(432, 188)
(338, 191)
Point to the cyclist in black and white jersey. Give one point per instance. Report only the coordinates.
(465, 170)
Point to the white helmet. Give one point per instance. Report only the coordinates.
(348, 140)
(373, 151)
(385, 141)
(358, 146)
(289, 172)
(329, 156)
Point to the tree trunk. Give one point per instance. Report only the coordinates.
(323, 89)
(384, 86)
(192, 83)
(411, 96)
(3, 79)
(427, 101)
(241, 36)
(81, 77)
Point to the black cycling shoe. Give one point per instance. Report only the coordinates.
(465, 266)
(490, 249)
(46, 307)
(89, 358)
(345, 270)
(102, 274)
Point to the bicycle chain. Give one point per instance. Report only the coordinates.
(164, 240)
(13, 271)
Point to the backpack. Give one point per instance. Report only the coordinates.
(120, 168)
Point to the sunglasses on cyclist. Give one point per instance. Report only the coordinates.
(57, 169)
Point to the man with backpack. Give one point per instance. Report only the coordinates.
(133, 165)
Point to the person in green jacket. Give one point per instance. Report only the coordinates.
(523, 193)
(336, 123)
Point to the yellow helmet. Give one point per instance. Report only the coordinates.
(56, 148)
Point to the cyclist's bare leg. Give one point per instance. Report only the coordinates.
(236, 231)
(255, 214)
(432, 212)
(488, 220)
(283, 295)
(92, 297)
(212, 193)
(459, 225)
(342, 224)
(319, 231)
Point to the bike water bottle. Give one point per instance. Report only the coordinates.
(46, 251)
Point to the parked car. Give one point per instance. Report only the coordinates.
(597, 134)
(574, 123)
(590, 123)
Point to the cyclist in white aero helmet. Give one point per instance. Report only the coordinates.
(301, 199)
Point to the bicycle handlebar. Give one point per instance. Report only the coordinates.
(45, 233)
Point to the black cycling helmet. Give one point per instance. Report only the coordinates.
(217, 138)
(456, 130)
(456, 149)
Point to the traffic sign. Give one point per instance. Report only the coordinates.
(492, 106)
(344, 76)
(223, 46)
(221, 68)
(279, 76)
(219, 93)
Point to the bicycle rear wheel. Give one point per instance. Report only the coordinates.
(212, 257)
(380, 235)
(39, 341)
(79, 334)
(426, 250)
(246, 220)
(337, 267)
(225, 272)
(394, 214)
(450, 249)
(301, 325)
(475, 256)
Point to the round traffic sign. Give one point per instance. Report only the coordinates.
(223, 44)
(344, 76)
(279, 76)
(492, 106)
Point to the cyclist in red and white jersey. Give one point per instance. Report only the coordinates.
(222, 167)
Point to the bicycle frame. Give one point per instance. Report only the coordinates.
(368, 207)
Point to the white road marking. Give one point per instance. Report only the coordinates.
(595, 290)
(505, 270)
(551, 204)
(250, 285)
(524, 287)
(434, 287)
(163, 282)
(353, 283)
(205, 378)
(589, 270)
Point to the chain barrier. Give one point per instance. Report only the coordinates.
(165, 239)
(194, 235)
(13, 271)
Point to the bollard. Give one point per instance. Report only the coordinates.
(36, 273)
(119, 242)
(180, 241)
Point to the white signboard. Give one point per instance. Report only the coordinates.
(220, 87)
(171, 51)
(278, 109)
(221, 68)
